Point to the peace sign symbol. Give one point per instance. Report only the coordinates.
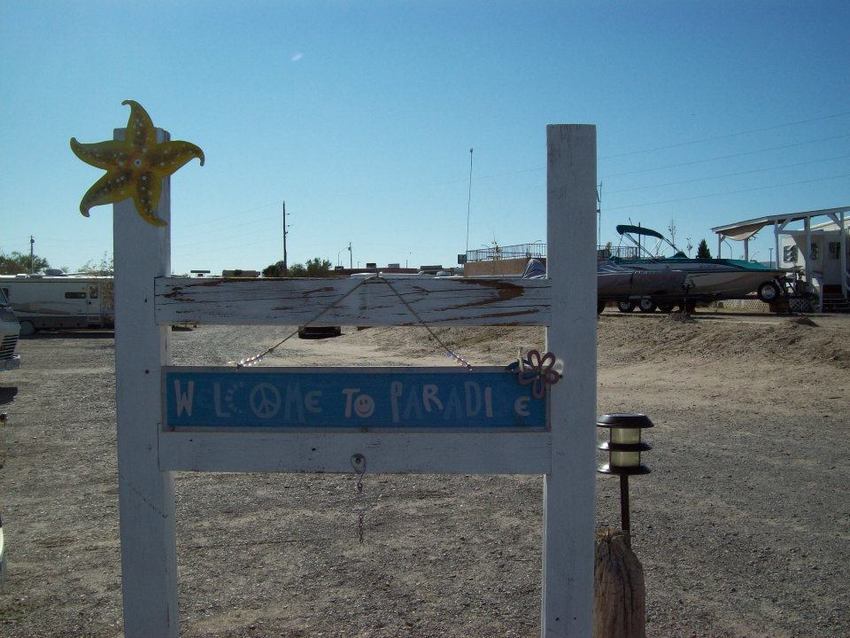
(264, 400)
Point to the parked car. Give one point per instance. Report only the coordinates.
(318, 332)
(9, 330)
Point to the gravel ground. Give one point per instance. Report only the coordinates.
(743, 527)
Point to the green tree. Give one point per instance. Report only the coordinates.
(318, 267)
(702, 250)
(16, 263)
(104, 267)
(274, 270)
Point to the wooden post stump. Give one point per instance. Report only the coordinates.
(619, 591)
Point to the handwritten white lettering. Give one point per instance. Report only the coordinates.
(312, 401)
(295, 401)
(349, 400)
(429, 396)
(412, 405)
(454, 407)
(219, 412)
(473, 398)
(184, 400)
(396, 389)
(521, 406)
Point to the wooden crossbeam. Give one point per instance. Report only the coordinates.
(355, 302)
(396, 453)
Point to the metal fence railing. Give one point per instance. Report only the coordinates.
(537, 250)
(621, 252)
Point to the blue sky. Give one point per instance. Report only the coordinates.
(361, 116)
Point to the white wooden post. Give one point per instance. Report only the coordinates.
(148, 551)
(569, 487)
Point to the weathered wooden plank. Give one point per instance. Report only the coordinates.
(355, 302)
(396, 452)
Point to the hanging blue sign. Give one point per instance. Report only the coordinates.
(350, 398)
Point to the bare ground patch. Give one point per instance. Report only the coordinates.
(743, 526)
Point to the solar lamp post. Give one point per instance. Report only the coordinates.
(624, 447)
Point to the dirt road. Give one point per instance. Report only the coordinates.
(743, 527)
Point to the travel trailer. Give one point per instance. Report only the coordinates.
(822, 263)
(817, 253)
(50, 302)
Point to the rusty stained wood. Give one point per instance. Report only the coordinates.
(354, 302)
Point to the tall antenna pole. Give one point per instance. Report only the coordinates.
(468, 202)
(285, 270)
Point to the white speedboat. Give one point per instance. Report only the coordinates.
(710, 278)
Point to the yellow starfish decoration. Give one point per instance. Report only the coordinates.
(134, 167)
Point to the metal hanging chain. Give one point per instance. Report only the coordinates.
(415, 314)
(250, 361)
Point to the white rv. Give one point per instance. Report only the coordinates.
(9, 330)
(49, 302)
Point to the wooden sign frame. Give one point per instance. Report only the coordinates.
(148, 300)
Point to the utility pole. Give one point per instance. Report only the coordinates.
(285, 270)
(350, 257)
(32, 243)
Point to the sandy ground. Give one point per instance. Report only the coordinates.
(743, 527)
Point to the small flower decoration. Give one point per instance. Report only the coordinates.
(538, 371)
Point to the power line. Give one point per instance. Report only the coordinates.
(538, 169)
(728, 135)
(724, 175)
(230, 216)
(735, 192)
(235, 229)
(730, 156)
(690, 142)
